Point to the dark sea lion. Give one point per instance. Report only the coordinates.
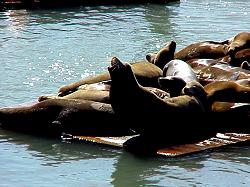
(176, 74)
(54, 116)
(130, 98)
(236, 59)
(245, 65)
(204, 49)
(146, 73)
(142, 109)
(162, 57)
(238, 42)
(172, 85)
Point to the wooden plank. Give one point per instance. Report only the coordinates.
(111, 141)
(211, 143)
(214, 142)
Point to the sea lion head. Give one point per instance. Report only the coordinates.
(195, 89)
(121, 73)
(162, 57)
(171, 84)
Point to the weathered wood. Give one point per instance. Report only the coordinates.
(221, 139)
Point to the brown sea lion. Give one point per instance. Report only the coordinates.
(227, 91)
(204, 49)
(176, 74)
(238, 42)
(98, 92)
(95, 92)
(231, 92)
(162, 57)
(146, 73)
(236, 59)
(54, 116)
(209, 70)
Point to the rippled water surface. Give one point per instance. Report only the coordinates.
(44, 49)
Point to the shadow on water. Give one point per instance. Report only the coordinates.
(131, 170)
(158, 17)
(128, 169)
(55, 151)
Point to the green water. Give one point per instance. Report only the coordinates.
(44, 49)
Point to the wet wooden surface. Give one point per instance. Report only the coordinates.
(214, 142)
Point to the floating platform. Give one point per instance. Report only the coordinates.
(31, 4)
(220, 140)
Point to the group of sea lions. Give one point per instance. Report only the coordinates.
(172, 98)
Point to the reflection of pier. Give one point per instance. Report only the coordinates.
(18, 4)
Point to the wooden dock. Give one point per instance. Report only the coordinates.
(220, 140)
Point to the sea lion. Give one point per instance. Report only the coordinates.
(130, 98)
(146, 73)
(131, 101)
(204, 49)
(236, 59)
(227, 91)
(209, 70)
(98, 92)
(54, 116)
(162, 57)
(176, 74)
(225, 95)
(95, 92)
(238, 42)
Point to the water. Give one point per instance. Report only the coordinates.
(44, 49)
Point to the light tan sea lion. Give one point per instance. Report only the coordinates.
(146, 73)
(204, 49)
(239, 42)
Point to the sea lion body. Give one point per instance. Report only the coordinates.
(98, 92)
(238, 42)
(144, 111)
(227, 91)
(237, 59)
(209, 70)
(176, 74)
(205, 49)
(54, 116)
(146, 73)
(133, 100)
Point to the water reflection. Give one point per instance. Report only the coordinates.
(197, 169)
(158, 18)
(127, 169)
(141, 170)
(54, 152)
